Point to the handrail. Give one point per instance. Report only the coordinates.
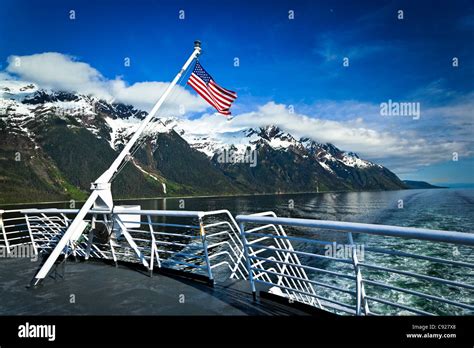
(118, 210)
(258, 233)
(356, 227)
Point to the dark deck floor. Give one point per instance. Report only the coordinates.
(90, 288)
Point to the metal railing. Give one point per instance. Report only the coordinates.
(225, 244)
(363, 269)
(352, 268)
(286, 264)
(206, 243)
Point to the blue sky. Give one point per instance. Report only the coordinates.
(288, 62)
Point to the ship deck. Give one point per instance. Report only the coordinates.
(92, 288)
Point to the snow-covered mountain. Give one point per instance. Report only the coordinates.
(30, 113)
(327, 155)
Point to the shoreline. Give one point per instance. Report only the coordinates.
(216, 196)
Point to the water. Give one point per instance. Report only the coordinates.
(443, 209)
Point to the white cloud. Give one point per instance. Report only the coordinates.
(57, 71)
(398, 150)
(145, 94)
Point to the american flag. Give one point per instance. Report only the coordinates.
(205, 86)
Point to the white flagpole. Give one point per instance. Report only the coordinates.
(107, 175)
(101, 196)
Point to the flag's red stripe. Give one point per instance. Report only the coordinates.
(203, 88)
(219, 89)
(200, 88)
(225, 91)
(222, 96)
(219, 97)
(202, 94)
(230, 93)
(205, 96)
(199, 82)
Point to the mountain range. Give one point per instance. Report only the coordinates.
(53, 144)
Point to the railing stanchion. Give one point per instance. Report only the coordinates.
(153, 251)
(2, 226)
(358, 275)
(247, 260)
(202, 232)
(33, 243)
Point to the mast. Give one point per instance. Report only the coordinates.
(101, 195)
